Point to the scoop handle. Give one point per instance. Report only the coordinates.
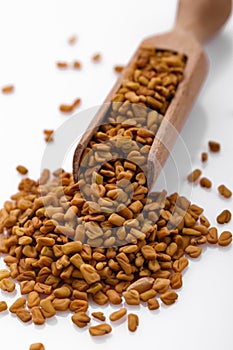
(202, 18)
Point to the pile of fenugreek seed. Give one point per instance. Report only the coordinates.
(39, 229)
(103, 237)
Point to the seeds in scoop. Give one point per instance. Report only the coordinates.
(133, 322)
(37, 346)
(194, 175)
(225, 238)
(205, 182)
(224, 217)
(214, 146)
(224, 191)
(22, 169)
(8, 89)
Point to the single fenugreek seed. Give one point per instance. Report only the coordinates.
(214, 146)
(225, 238)
(194, 175)
(22, 169)
(133, 322)
(99, 315)
(100, 329)
(3, 306)
(37, 346)
(212, 236)
(224, 191)
(205, 182)
(8, 89)
(116, 315)
(169, 297)
(204, 157)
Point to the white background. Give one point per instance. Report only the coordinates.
(33, 36)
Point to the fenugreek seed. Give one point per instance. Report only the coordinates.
(24, 315)
(100, 329)
(176, 280)
(4, 274)
(116, 219)
(47, 308)
(204, 156)
(212, 236)
(8, 89)
(7, 285)
(142, 284)
(194, 175)
(78, 305)
(3, 306)
(96, 57)
(22, 169)
(132, 297)
(89, 273)
(148, 252)
(149, 294)
(81, 319)
(37, 316)
(153, 304)
(71, 41)
(37, 346)
(113, 297)
(61, 304)
(205, 182)
(225, 238)
(18, 304)
(214, 146)
(117, 315)
(224, 217)
(180, 264)
(133, 322)
(193, 251)
(62, 292)
(169, 297)
(224, 191)
(99, 315)
(161, 285)
(191, 232)
(118, 68)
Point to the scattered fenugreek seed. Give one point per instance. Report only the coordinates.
(214, 146)
(224, 191)
(194, 175)
(205, 182)
(8, 89)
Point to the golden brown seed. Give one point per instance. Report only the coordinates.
(133, 322)
(99, 315)
(37, 316)
(37, 346)
(212, 236)
(118, 68)
(33, 299)
(205, 182)
(149, 294)
(132, 297)
(8, 89)
(62, 292)
(153, 304)
(47, 308)
(96, 57)
(81, 319)
(3, 306)
(72, 40)
(161, 285)
(48, 134)
(113, 297)
(224, 191)
(18, 304)
(169, 297)
(214, 146)
(224, 217)
(148, 252)
(89, 273)
(77, 65)
(142, 284)
(62, 65)
(194, 175)
(22, 169)
(100, 329)
(4, 274)
(116, 315)
(193, 251)
(204, 156)
(61, 304)
(7, 285)
(24, 315)
(225, 238)
(176, 280)
(180, 264)
(78, 305)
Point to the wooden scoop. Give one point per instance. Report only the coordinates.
(196, 22)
